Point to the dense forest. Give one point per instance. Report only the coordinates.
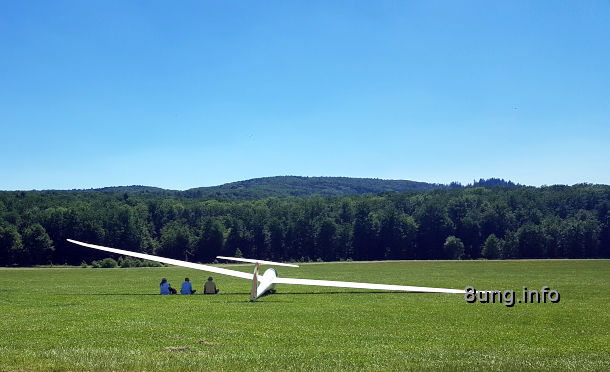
(493, 222)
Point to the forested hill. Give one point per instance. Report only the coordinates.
(285, 186)
(291, 186)
(445, 223)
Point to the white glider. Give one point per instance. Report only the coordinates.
(266, 283)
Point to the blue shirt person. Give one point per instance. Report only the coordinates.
(165, 287)
(187, 288)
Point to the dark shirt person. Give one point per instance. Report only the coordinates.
(210, 287)
(187, 287)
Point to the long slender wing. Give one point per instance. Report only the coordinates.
(383, 287)
(191, 265)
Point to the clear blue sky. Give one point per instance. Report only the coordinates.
(198, 93)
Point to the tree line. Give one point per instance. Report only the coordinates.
(459, 223)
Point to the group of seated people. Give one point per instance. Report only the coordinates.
(187, 287)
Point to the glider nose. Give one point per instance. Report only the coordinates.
(266, 282)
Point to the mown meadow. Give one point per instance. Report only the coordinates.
(70, 318)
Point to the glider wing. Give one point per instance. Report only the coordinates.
(383, 287)
(191, 265)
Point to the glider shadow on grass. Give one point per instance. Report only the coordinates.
(235, 294)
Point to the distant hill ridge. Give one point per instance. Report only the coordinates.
(299, 186)
(284, 186)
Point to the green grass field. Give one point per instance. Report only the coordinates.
(113, 319)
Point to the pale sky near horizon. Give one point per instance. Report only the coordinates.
(199, 93)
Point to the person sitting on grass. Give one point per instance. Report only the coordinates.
(187, 288)
(210, 287)
(166, 288)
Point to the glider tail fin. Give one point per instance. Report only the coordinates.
(253, 294)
